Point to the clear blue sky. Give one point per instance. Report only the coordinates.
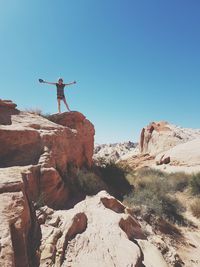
(135, 61)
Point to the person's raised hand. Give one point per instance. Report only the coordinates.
(41, 80)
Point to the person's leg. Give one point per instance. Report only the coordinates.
(64, 100)
(58, 104)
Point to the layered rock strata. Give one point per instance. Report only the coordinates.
(36, 158)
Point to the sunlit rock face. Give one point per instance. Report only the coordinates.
(36, 155)
(161, 136)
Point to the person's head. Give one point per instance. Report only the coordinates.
(60, 80)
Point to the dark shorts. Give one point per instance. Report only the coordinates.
(61, 97)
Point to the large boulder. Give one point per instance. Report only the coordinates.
(96, 232)
(83, 146)
(186, 154)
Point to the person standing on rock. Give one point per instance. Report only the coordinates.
(60, 91)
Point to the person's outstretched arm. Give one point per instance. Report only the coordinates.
(70, 83)
(49, 82)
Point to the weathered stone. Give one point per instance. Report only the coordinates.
(161, 136)
(7, 109)
(93, 235)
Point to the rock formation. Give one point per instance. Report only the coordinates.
(169, 144)
(36, 159)
(95, 233)
(161, 136)
(38, 162)
(48, 149)
(20, 233)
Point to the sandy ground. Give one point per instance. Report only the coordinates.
(190, 253)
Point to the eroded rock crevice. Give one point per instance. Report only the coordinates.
(78, 226)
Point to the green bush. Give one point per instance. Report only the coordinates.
(152, 189)
(89, 183)
(162, 205)
(195, 184)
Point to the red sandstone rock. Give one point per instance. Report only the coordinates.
(85, 132)
(36, 157)
(20, 233)
(7, 109)
(55, 149)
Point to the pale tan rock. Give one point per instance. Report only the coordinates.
(183, 158)
(11, 179)
(186, 154)
(94, 233)
(152, 256)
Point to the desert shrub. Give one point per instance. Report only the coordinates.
(195, 208)
(172, 209)
(89, 183)
(148, 172)
(37, 111)
(178, 181)
(173, 181)
(153, 179)
(151, 189)
(114, 177)
(195, 184)
(162, 205)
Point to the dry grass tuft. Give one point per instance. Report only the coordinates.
(195, 208)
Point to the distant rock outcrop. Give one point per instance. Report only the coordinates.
(108, 153)
(167, 147)
(161, 136)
